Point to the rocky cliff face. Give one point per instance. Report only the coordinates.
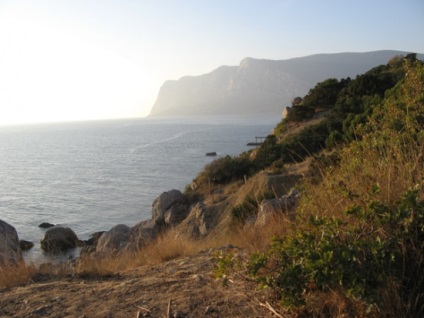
(259, 86)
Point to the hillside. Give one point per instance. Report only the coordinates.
(259, 86)
(324, 219)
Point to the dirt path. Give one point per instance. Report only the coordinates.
(188, 282)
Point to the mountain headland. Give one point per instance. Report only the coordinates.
(259, 86)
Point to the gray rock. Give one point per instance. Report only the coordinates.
(26, 245)
(163, 203)
(141, 235)
(267, 209)
(59, 239)
(113, 240)
(270, 208)
(45, 225)
(176, 214)
(10, 251)
(289, 201)
(94, 238)
(200, 221)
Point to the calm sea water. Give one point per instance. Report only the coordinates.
(91, 176)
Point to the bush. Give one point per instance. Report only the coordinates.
(325, 94)
(226, 169)
(300, 113)
(357, 255)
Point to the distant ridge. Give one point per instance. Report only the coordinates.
(260, 86)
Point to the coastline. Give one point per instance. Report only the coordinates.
(140, 209)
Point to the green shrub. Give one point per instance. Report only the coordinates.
(356, 255)
(226, 169)
(300, 113)
(280, 128)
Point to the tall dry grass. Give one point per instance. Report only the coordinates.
(16, 275)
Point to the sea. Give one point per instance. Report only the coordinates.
(91, 176)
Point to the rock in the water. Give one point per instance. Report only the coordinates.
(26, 245)
(45, 225)
(114, 240)
(163, 203)
(59, 239)
(10, 251)
(211, 154)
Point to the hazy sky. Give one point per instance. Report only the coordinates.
(97, 59)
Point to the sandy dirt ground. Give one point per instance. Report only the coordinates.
(187, 283)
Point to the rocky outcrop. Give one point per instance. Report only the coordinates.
(10, 251)
(270, 208)
(142, 234)
(200, 221)
(169, 208)
(59, 239)
(94, 238)
(113, 240)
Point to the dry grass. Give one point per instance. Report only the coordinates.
(167, 247)
(258, 238)
(170, 246)
(363, 167)
(16, 275)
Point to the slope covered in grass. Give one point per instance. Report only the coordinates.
(356, 246)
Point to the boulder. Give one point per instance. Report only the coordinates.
(267, 209)
(141, 235)
(113, 240)
(94, 238)
(200, 221)
(45, 225)
(26, 245)
(272, 207)
(176, 214)
(162, 203)
(59, 239)
(288, 201)
(10, 251)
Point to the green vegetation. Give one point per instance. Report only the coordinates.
(356, 245)
(349, 104)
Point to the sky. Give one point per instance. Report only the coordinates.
(101, 59)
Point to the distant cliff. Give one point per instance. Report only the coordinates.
(259, 86)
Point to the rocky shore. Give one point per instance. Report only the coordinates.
(188, 217)
(181, 287)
